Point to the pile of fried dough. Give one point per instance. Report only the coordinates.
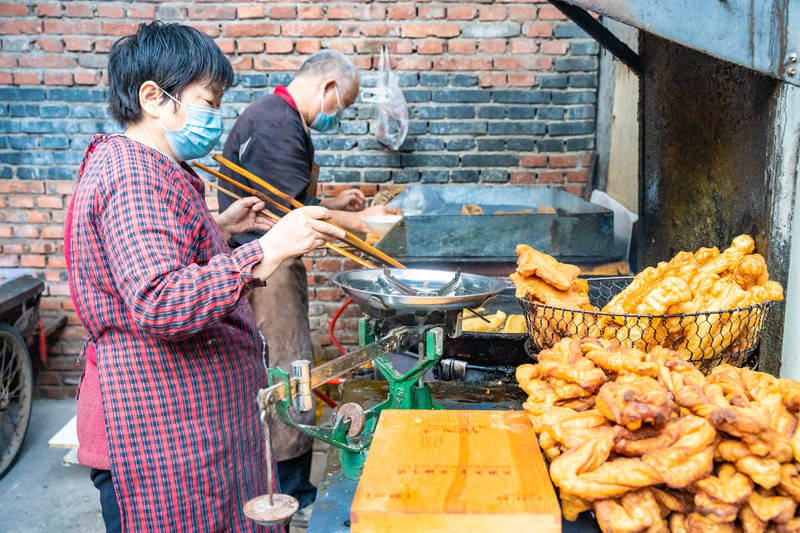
(477, 321)
(706, 281)
(649, 443)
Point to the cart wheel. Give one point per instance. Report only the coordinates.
(16, 394)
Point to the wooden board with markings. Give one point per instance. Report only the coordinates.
(437, 471)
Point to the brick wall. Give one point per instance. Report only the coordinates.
(499, 92)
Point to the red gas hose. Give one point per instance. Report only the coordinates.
(334, 340)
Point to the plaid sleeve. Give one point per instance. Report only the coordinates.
(150, 232)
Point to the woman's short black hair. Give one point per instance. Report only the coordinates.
(171, 55)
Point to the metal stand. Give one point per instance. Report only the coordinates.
(354, 427)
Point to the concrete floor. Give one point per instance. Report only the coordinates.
(39, 493)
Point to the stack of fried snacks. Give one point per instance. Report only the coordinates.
(700, 287)
(498, 322)
(649, 443)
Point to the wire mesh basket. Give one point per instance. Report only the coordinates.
(708, 338)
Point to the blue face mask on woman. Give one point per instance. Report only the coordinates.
(198, 136)
(324, 121)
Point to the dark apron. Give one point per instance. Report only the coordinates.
(281, 309)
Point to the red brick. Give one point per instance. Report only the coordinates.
(283, 46)
(8, 260)
(32, 261)
(462, 64)
(430, 30)
(61, 187)
(250, 46)
(535, 161)
(404, 46)
(251, 29)
(524, 46)
(228, 46)
(328, 265)
(17, 27)
(556, 47)
(369, 29)
(78, 10)
(278, 63)
(50, 45)
(142, 11)
(525, 62)
(581, 176)
(550, 13)
(493, 13)
(53, 231)
(402, 11)
(430, 12)
(56, 261)
(6, 78)
(539, 29)
(305, 29)
(253, 11)
(110, 11)
(522, 177)
(211, 12)
(13, 249)
(283, 12)
(460, 13)
(63, 79)
(492, 46)
(47, 10)
(75, 44)
(49, 61)
(73, 27)
(120, 28)
(409, 63)
(50, 201)
(242, 63)
(521, 80)
(8, 61)
(562, 161)
(26, 78)
(372, 12)
(101, 45)
(309, 12)
(345, 47)
(493, 79)
(13, 10)
(328, 295)
(430, 47)
(21, 187)
(586, 159)
(550, 176)
(340, 12)
(461, 46)
(523, 13)
(308, 47)
(21, 201)
(41, 248)
(211, 29)
(576, 190)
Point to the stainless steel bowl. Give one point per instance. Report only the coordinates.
(365, 287)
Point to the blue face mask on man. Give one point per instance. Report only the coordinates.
(325, 121)
(198, 136)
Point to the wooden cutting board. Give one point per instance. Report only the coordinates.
(454, 471)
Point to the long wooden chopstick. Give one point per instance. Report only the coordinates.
(349, 237)
(258, 194)
(273, 216)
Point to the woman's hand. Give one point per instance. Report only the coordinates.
(297, 233)
(375, 210)
(243, 216)
(349, 200)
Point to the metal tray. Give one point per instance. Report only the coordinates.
(434, 230)
(363, 286)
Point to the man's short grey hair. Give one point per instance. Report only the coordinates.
(328, 64)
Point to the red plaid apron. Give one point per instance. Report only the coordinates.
(180, 361)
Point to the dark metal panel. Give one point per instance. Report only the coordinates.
(707, 170)
(761, 35)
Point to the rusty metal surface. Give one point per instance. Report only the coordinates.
(706, 154)
(760, 35)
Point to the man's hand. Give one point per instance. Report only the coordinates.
(242, 216)
(375, 210)
(297, 233)
(349, 200)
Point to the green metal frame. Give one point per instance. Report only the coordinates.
(406, 391)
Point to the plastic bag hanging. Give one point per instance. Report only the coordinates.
(391, 123)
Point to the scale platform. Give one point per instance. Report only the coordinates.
(335, 494)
